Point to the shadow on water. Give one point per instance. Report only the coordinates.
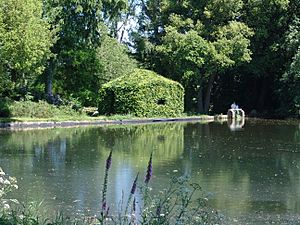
(253, 171)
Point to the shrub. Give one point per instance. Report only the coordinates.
(4, 109)
(31, 109)
(142, 93)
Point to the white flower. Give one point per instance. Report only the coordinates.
(6, 182)
(1, 172)
(6, 207)
(14, 201)
(12, 179)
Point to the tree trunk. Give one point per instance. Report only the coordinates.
(131, 9)
(200, 101)
(208, 93)
(262, 94)
(49, 80)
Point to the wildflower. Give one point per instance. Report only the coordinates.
(132, 191)
(6, 206)
(134, 205)
(104, 205)
(158, 210)
(1, 172)
(149, 170)
(7, 182)
(108, 161)
(133, 188)
(107, 166)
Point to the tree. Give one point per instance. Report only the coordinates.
(114, 60)
(77, 69)
(269, 20)
(25, 41)
(199, 41)
(75, 65)
(290, 81)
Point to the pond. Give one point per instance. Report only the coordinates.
(251, 176)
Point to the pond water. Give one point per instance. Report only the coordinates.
(251, 176)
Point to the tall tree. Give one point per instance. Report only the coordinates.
(196, 43)
(77, 69)
(269, 19)
(25, 41)
(75, 65)
(290, 81)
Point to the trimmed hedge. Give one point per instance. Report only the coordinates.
(142, 93)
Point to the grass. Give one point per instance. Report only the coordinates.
(28, 111)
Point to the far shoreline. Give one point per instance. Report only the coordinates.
(48, 123)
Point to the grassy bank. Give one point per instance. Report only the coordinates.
(41, 111)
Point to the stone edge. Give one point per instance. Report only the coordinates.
(53, 124)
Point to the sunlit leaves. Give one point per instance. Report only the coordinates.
(221, 11)
(25, 38)
(291, 78)
(232, 43)
(114, 60)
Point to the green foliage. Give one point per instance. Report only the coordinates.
(31, 109)
(86, 57)
(76, 68)
(220, 11)
(81, 72)
(142, 93)
(196, 43)
(4, 109)
(114, 60)
(290, 81)
(91, 68)
(25, 41)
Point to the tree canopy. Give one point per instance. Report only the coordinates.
(219, 50)
(25, 41)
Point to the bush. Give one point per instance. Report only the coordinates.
(4, 109)
(31, 109)
(142, 93)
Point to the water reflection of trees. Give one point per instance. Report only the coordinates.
(242, 169)
(246, 168)
(49, 162)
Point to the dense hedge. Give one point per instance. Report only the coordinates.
(142, 93)
(29, 109)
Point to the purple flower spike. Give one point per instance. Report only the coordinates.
(108, 161)
(158, 210)
(134, 205)
(104, 206)
(149, 170)
(133, 188)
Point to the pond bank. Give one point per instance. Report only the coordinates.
(100, 122)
